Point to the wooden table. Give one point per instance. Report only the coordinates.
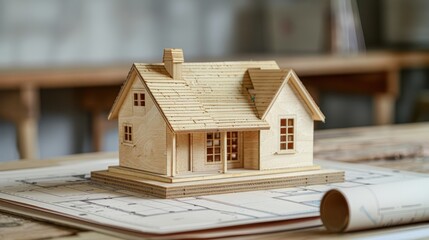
(375, 74)
(19, 100)
(328, 142)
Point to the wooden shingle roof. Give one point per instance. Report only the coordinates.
(267, 83)
(211, 96)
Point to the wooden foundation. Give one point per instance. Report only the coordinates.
(231, 182)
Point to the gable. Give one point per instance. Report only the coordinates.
(267, 85)
(125, 88)
(299, 88)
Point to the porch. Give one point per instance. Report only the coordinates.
(203, 154)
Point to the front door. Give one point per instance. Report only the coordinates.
(183, 158)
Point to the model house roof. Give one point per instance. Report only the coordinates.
(213, 96)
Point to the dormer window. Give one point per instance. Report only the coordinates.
(139, 99)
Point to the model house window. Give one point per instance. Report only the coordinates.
(128, 133)
(232, 146)
(139, 99)
(287, 138)
(213, 147)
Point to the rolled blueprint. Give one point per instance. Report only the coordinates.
(372, 206)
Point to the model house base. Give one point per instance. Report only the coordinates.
(189, 129)
(236, 180)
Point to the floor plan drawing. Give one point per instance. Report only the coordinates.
(67, 190)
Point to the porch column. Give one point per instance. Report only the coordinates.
(224, 151)
(173, 155)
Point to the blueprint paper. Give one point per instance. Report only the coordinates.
(67, 190)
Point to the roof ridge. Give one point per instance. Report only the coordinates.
(211, 63)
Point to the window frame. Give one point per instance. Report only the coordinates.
(229, 147)
(213, 148)
(127, 133)
(139, 99)
(286, 135)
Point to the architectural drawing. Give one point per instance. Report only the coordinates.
(67, 191)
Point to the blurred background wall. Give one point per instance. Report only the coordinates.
(51, 33)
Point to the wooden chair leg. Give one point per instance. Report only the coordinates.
(21, 106)
(98, 101)
(27, 138)
(384, 109)
(97, 130)
(27, 124)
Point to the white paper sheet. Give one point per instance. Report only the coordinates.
(67, 190)
(373, 206)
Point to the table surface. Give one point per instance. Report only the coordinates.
(402, 147)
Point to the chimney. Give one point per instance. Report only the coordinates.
(173, 59)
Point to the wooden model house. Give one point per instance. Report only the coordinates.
(189, 129)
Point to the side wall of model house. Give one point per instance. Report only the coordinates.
(288, 105)
(147, 149)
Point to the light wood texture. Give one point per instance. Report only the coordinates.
(267, 86)
(251, 150)
(183, 153)
(173, 59)
(209, 98)
(148, 148)
(173, 155)
(207, 175)
(403, 147)
(289, 104)
(199, 154)
(299, 88)
(223, 153)
(27, 135)
(15, 227)
(217, 186)
(216, 98)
